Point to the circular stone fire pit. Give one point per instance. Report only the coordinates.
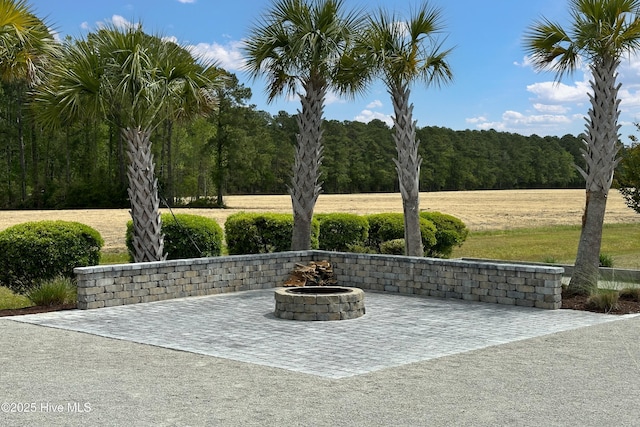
(319, 303)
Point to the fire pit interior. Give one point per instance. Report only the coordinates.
(319, 303)
(319, 290)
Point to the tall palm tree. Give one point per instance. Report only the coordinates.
(134, 80)
(601, 32)
(26, 47)
(298, 45)
(402, 52)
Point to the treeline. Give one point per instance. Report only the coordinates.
(242, 150)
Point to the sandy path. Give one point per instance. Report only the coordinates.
(480, 210)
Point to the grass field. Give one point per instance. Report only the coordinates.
(557, 244)
(531, 225)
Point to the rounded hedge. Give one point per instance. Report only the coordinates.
(341, 231)
(390, 226)
(185, 236)
(393, 247)
(450, 232)
(42, 250)
(255, 233)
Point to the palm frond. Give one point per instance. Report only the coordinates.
(598, 29)
(300, 40)
(127, 76)
(26, 44)
(406, 50)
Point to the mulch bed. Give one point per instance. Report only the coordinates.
(578, 302)
(36, 309)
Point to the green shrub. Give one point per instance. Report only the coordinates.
(36, 251)
(606, 261)
(338, 231)
(450, 232)
(57, 291)
(251, 233)
(384, 227)
(390, 226)
(360, 249)
(185, 236)
(393, 247)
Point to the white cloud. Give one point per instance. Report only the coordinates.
(187, 1)
(374, 104)
(474, 120)
(491, 125)
(526, 124)
(629, 96)
(171, 39)
(551, 109)
(227, 56)
(516, 118)
(333, 98)
(85, 25)
(366, 116)
(557, 93)
(526, 62)
(116, 20)
(121, 22)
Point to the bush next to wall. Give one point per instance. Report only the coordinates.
(253, 233)
(450, 232)
(186, 236)
(390, 226)
(341, 231)
(37, 251)
(249, 233)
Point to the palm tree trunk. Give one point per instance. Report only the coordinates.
(601, 149)
(305, 188)
(148, 241)
(408, 167)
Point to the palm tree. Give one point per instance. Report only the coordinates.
(298, 46)
(134, 80)
(26, 44)
(403, 52)
(26, 47)
(602, 31)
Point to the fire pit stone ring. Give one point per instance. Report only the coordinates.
(319, 303)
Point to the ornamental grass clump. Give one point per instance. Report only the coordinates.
(10, 300)
(604, 300)
(630, 294)
(58, 291)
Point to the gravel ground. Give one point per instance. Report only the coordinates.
(585, 377)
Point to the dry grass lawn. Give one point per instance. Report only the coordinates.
(480, 210)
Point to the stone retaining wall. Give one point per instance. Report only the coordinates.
(109, 285)
(500, 283)
(512, 284)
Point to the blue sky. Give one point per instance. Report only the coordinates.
(493, 88)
